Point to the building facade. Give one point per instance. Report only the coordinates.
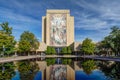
(58, 30)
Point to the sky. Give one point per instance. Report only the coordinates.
(92, 18)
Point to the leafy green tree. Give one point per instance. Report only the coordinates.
(24, 46)
(69, 50)
(99, 48)
(105, 46)
(7, 46)
(112, 41)
(53, 50)
(7, 42)
(115, 37)
(6, 71)
(28, 42)
(50, 50)
(6, 29)
(64, 50)
(87, 46)
(30, 37)
(27, 69)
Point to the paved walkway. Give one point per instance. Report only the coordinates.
(102, 58)
(18, 58)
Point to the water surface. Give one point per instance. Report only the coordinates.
(95, 75)
(38, 76)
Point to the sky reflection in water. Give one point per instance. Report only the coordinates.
(79, 75)
(38, 76)
(95, 75)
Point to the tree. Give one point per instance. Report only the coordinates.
(50, 50)
(7, 42)
(105, 45)
(30, 37)
(24, 46)
(87, 46)
(6, 29)
(7, 45)
(53, 50)
(28, 42)
(112, 41)
(115, 39)
(64, 50)
(69, 50)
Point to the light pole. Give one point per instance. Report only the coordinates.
(15, 53)
(3, 68)
(3, 50)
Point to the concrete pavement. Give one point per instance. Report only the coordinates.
(18, 58)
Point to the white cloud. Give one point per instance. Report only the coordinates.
(9, 14)
(20, 14)
(109, 9)
(96, 15)
(91, 24)
(95, 36)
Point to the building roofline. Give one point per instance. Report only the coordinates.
(58, 11)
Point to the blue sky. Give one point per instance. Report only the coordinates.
(93, 18)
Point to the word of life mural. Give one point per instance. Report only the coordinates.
(58, 30)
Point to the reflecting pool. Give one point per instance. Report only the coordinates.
(79, 75)
(95, 75)
(38, 76)
(88, 70)
(17, 76)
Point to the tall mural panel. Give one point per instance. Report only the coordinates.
(58, 34)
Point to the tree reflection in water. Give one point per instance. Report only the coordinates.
(6, 71)
(27, 69)
(110, 70)
(88, 66)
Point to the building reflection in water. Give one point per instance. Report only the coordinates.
(58, 72)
